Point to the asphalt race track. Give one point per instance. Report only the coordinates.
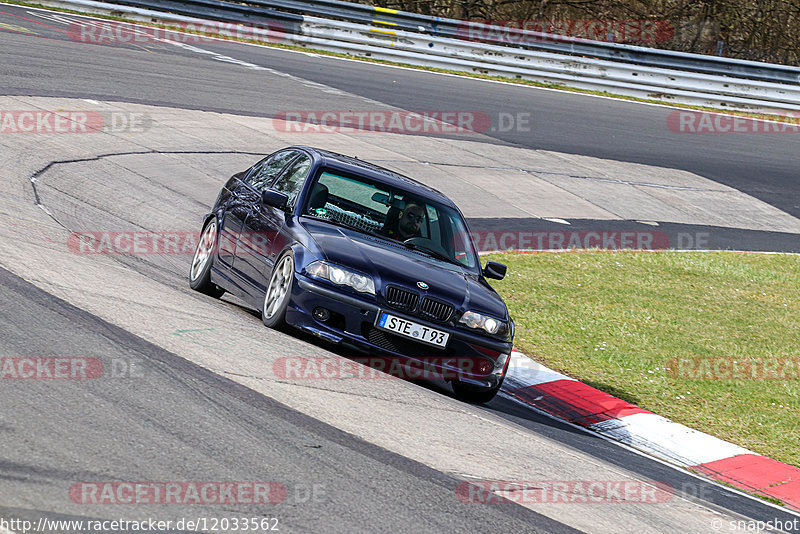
(189, 393)
(218, 429)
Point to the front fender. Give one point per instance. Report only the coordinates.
(302, 256)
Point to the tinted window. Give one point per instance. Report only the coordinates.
(291, 182)
(270, 169)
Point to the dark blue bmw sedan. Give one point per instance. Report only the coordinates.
(360, 256)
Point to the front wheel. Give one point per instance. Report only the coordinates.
(276, 298)
(200, 273)
(469, 393)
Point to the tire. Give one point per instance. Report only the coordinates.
(200, 271)
(473, 394)
(279, 291)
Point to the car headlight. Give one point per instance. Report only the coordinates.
(489, 324)
(341, 276)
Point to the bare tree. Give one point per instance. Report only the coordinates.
(765, 30)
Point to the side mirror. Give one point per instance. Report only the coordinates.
(494, 270)
(276, 199)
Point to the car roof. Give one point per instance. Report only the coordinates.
(376, 172)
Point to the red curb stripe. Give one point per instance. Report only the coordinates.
(576, 402)
(757, 473)
(788, 493)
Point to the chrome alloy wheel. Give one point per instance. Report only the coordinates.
(279, 286)
(205, 248)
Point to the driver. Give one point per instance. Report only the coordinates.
(407, 223)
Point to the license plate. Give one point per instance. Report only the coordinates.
(412, 330)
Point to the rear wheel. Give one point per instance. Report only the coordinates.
(200, 273)
(469, 393)
(279, 289)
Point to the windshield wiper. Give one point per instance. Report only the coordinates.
(425, 250)
(332, 221)
(336, 222)
(433, 253)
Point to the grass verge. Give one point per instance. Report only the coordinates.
(619, 320)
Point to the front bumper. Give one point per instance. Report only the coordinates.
(468, 357)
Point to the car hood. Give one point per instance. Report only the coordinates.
(393, 263)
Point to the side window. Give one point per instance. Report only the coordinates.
(270, 169)
(291, 182)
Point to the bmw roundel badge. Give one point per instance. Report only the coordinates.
(422, 285)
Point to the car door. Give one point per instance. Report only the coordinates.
(248, 200)
(265, 228)
(245, 192)
(234, 213)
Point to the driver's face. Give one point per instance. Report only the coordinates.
(411, 219)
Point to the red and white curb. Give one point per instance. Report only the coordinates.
(570, 400)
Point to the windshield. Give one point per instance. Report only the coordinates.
(395, 214)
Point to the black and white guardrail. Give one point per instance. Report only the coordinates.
(513, 37)
(619, 69)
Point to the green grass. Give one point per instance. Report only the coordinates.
(615, 319)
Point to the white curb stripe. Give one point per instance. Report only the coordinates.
(651, 433)
(523, 372)
(668, 440)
